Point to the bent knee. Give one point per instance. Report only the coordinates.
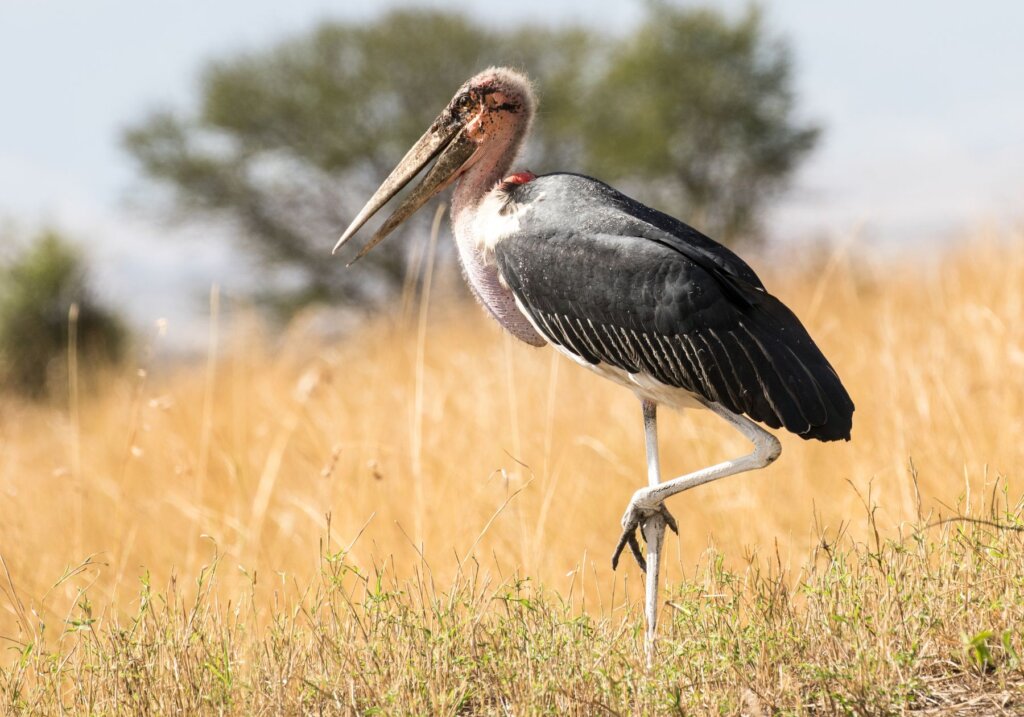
(768, 449)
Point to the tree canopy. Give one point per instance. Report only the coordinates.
(38, 287)
(698, 112)
(692, 112)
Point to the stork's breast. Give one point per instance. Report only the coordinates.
(485, 281)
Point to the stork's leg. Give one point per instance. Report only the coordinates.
(648, 502)
(653, 527)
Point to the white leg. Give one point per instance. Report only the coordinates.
(653, 528)
(766, 449)
(647, 505)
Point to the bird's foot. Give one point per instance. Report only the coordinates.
(637, 514)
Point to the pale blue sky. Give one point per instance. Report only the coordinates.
(922, 102)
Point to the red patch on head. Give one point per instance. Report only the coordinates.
(516, 179)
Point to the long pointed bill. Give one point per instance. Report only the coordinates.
(454, 153)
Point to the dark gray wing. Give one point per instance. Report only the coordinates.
(680, 312)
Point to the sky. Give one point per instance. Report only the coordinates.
(922, 104)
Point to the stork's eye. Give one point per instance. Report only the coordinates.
(464, 103)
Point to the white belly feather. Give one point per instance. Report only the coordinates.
(642, 384)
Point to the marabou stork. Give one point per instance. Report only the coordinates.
(633, 294)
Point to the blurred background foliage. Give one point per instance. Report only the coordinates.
(692, 112)
(39, 283)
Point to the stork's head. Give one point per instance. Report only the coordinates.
(489, 106)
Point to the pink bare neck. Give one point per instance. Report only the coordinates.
(502, 137)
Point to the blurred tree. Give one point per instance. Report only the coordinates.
(37, 288)
(698, 113)
(288, 143)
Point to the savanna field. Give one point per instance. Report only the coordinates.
(418, 519)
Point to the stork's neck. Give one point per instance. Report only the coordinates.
(505, 135)
(473, 237)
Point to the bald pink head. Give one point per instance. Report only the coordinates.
(473, 141)
(497, 107)
(501, 89)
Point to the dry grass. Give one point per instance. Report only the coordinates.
(484, 481)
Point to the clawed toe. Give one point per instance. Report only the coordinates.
(670, 521)
(632, 521)
(628, 537)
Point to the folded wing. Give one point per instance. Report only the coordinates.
(641, 302)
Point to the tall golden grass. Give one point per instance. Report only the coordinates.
(432, 432)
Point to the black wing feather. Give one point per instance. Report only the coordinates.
(618, 283)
